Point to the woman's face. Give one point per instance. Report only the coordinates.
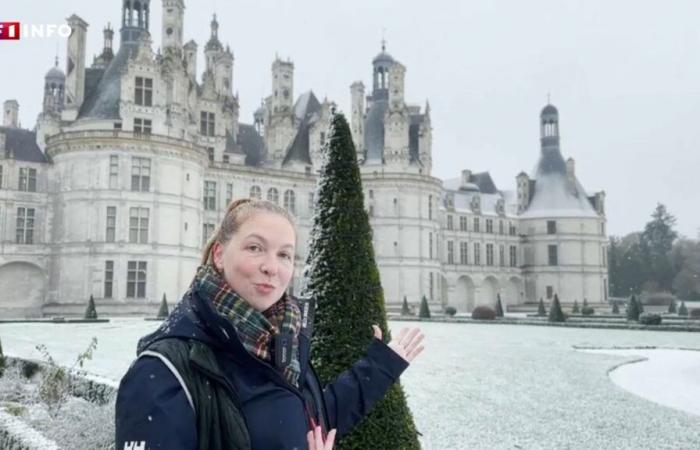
(258, 260)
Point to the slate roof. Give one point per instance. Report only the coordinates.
(20, 144)
(307, 111)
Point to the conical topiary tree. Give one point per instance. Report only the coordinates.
(672, 307)
(555, 312)
(424, 312)
(541, 310)
(615, 308)
(342, 275)
(682, 310)
(499, 306)
(90, 311)
(575, 309)
(2, 361)
(163, 312)
(405, 310)
(633, 310)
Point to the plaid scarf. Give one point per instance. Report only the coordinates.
(255, 330)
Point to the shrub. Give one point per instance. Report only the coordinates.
(450, 311)
(163, 312)
(575, 309)
(695, 313)
(587, 310)
(682, 310)
(90, 311)
(633, 309)
(405, 310)
(483, 313)
(424, 312)
(57, 381)
(3, 363)
(499, 306)
(29, 369)
(585, 302)
(541, 310)
(615, 308)
(672, 307)
(555, 312)
(650, 319)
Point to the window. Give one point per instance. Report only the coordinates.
(371, 194)
(502, 255)
(512, 230)
(25, 226)
(602, 225)
(476, 224)
(489, 254)
(0, 177)
(371, 211)
(255, 192)
(273, 195)
(143, 94)
(109, 279)
(210, 195)
(142, 126)
(140, 174)
(450, 226)
(430, 245)
(114, 171)
(462, 223)
(489, 225)
(312, 204)
(553, 255)
(550, 292)
(551, 227)
(229, 193)
(226, 159)
(206, 123)
(27, 179)
(207, 231)
(111, 228)
(450, 252)
(136, 279)
(430, 207)
(210, 154)
(604, 256)
(289, 201)
(463, 253)
(513, 256)
(500, 227)
(138, 225)
(431, 284)
(477, 254)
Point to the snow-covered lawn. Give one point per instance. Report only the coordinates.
(479, 386)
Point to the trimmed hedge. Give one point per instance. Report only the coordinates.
(695, 313)
(483, 313)
(450, 311)
(650, 319)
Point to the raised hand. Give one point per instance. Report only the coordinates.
(406, 344)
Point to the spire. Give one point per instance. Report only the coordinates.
(214, 43)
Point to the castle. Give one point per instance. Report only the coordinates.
(133, 160)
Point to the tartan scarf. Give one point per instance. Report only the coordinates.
(255, 330)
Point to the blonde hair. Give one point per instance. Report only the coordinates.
(237, 212)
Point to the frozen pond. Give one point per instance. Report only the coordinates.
(476, 386)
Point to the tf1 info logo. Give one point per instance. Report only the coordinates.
(12, 31)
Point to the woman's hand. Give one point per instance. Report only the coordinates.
(315, 439)
(406, 344)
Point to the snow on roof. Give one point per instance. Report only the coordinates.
(556, 196)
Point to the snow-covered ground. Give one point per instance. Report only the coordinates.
(478, 386)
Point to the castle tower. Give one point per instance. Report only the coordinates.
(549, 128)
(10, 114)
(397, 75)
(191, 59)
(223, 73)
(357, 93)
(213, 47)
(173, 13)
(135, 19)
(54, 90)
(282, 85)
(75, 67)
(381, 65)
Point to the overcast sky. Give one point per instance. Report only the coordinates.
(625, 76)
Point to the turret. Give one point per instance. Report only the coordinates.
(11, 114)
(173, 13)
(357, 93)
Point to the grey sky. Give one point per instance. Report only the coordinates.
(625, 76)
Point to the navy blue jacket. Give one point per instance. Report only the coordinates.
(152, 407)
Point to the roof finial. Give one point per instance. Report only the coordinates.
(383, 39)
(57, 54)
(549, 98)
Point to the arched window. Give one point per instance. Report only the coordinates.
(255, 192)
(273, 196)
(289, 201)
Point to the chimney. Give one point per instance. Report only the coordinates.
(75, 67)
(10, 114)
(466, 177)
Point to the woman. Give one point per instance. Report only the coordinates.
(229, 369)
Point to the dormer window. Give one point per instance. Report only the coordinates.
(143, 93)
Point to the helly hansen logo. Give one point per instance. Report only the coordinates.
(136, 445)
(9, 31)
